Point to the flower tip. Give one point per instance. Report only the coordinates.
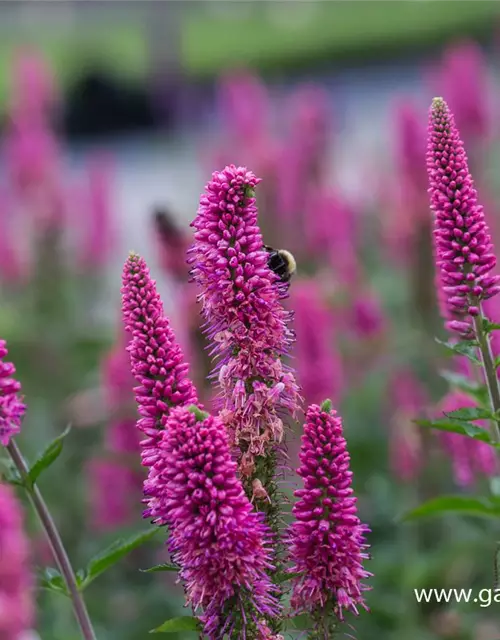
(438, 103)
(200, 415)
(326, 406)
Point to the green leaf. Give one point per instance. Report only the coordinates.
(199, 414)
(462, 383)
(161, 567)
(52, 580)
(49, 455)
(301, 622)
(469, 413)
(467, 348)
(285, 577)
(454, 426)
(184, 623)
(326, 406)
(489, 326)
(112, 554)
(479, 507)
(80, 576)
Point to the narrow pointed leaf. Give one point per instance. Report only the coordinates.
(161, 567)
(52, 580)
(480, 507)
(489, 326)
(301, 622)
(454, 426)
(174, 625)
(285, 577)
(469, 413)
(115, 552)
(467, 348)
(49, 455)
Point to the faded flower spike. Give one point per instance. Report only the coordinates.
(328, 545)
(245, 320)
(156, 359)
(16, 598)
(463, 246)
(220, 543)
(11, 408)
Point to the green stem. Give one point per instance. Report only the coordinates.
(56, 544)
(489, 371)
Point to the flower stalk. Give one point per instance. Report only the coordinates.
(490, 373)
(56, 544)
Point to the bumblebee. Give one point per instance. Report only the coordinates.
(281, 262)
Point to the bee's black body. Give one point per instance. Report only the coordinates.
(281, 262)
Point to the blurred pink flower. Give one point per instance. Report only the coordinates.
(367, 315)
(301, 161)
(16, 583)
(462, 79)
(409, 399)
(13, 265)
(33, 86)
(406, 191)
(331, 232)
(121, 447)
(114, 493)
(317, 361)
(97, 238)
(245, 106)
(31, 155)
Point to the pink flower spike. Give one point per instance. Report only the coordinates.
(11, 408)
(463, 246)
(327, 539)
(16, 584)
(220, 543)
(156, 360)
(245, 319)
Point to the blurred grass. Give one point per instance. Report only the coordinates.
(265, 35)
(335, 29)
(120, 50)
